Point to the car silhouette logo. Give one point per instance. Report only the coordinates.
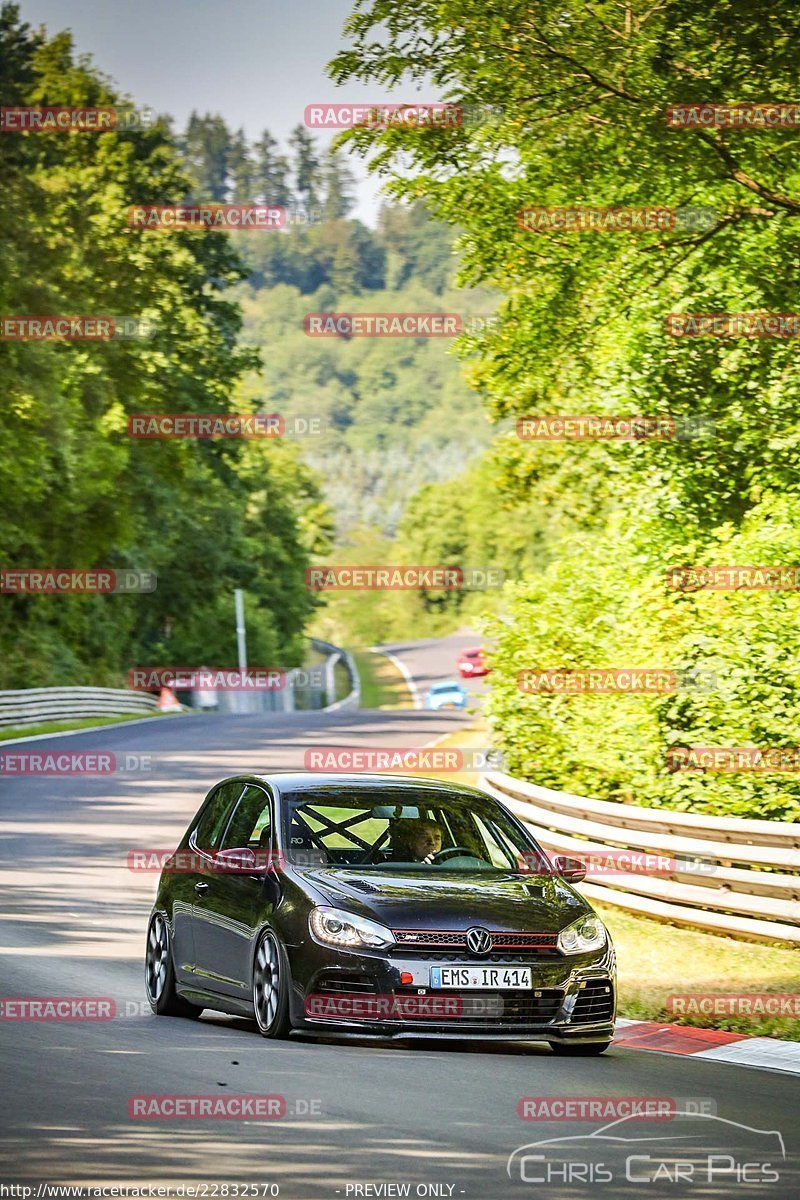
(478, 941)
(697, 1144)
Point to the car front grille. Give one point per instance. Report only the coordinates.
(595, 1003)
(435, 943)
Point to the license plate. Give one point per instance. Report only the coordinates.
(481, 977)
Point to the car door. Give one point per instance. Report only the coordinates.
(229, 911)
(211, 819)
(191, 878)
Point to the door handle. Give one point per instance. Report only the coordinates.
(201, 887)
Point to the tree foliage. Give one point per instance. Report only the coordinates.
(571, 101)
(75, 489)
(397, 412)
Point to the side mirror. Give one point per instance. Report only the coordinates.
(240, 860)
(571, 869)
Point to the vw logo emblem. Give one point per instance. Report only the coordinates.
(478, 941)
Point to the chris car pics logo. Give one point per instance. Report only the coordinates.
(703, 1154)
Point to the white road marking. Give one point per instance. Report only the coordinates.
(404, 671)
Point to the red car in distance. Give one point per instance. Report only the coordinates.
(471, 662)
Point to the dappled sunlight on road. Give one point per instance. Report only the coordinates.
(307, 1156)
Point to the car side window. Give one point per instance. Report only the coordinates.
(215, 815)
(251, 824)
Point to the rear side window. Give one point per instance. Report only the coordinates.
(215, 815)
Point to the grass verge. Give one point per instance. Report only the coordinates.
(64, 726)
(382, 685)
(656, 960)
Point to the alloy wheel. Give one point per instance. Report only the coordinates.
(157, 957)
(267, 982)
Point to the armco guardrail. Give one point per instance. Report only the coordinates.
(333, 655)
(731, 875)
(35, 706)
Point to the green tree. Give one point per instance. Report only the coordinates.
(338, 183)
(241, 168)
(271, 171)
(206, 147)
(575, 97)
(307, 169)
(75, 489)
(565, 105)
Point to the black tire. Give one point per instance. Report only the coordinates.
(579, 1049)
(271, 985)
(159, 973)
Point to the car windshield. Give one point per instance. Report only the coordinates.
(445, 687)
(398, 829)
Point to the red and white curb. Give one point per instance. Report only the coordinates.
(771, 1054)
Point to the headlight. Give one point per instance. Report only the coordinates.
(335, 927)
(587, 933)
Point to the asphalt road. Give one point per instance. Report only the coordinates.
(440, 1118)
(434, 660)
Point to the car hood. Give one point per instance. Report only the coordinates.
(453, 900)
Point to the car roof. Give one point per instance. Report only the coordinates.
(298, 781)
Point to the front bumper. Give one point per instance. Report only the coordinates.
(571, 999)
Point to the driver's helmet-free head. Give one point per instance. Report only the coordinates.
(414, 838)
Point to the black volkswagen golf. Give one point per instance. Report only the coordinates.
(377, 906)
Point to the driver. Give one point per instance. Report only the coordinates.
(420, 839)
